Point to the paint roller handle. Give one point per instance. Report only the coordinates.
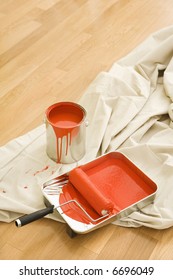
(26, 219)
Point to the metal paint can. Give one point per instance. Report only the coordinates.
(66, 132)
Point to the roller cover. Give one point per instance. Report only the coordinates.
(89, 191)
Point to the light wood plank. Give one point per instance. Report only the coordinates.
(51, 50)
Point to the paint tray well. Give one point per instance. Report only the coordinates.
(110, 182)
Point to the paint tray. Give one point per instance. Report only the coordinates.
(102, 191)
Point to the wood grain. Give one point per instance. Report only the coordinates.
(50, 51)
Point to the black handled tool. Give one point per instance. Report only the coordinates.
(26, 219)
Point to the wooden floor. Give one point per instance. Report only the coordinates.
(50, 50)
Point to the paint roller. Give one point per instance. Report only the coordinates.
(81, 182)
(101, 204)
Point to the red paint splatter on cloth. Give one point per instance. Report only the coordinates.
(40, 171)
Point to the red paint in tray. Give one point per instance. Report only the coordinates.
(110, 181)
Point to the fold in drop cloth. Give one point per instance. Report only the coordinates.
(129, 109)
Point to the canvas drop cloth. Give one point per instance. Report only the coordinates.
(129, 109)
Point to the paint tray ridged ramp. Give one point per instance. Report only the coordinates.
(107, 188)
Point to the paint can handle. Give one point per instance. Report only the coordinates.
(86, 123)
(44, 119)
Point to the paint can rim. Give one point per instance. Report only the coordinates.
(65, 103)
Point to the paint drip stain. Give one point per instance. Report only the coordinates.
(64, 139)
(40, 171)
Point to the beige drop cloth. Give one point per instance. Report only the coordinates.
(130, 109)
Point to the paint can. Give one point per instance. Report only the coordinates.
(66, 132)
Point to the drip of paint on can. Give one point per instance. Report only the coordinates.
(66, 119)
